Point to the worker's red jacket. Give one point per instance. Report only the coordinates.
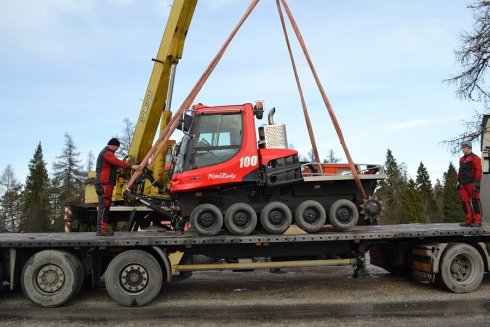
(469, 169)
(107, 163)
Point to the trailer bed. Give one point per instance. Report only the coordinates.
(125, 239)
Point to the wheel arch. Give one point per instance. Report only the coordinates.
(162, 258)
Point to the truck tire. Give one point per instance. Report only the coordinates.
(461, 268)
(206, 219)
(343, 214)
(50, 278)
(79, 270)
(310, 216)
(2, 276)
(276, 217)
(133, 278)
(240, 219)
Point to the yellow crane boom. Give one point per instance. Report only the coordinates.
(158, 93)
(157, 100)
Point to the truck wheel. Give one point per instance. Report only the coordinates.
(133, 278)
(310, 216)
(343, 214)
(461, 269)
(79, 270)
(276, 217)
(240, 219)
(2, 276)
(207, 219)
(49, 278)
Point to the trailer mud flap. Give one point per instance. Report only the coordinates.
(425, 262)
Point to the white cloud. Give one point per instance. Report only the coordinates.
(413, 123)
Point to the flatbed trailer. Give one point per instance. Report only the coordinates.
(51, 268)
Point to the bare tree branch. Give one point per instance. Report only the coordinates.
(473, 130)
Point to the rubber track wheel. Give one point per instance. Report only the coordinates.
(272, 227)
(211, 211)
(312, 207)
(244, 209)
(350, 208)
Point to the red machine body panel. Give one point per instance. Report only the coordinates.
(267, 155)
(230, 171)
(247, 159)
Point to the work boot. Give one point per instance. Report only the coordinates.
(465, 224)
(475, 225)
(102, 218)
(103, 230)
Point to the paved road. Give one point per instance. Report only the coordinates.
(302, 297)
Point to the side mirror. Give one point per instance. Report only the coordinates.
(185, 123)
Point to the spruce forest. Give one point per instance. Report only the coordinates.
(38, 204)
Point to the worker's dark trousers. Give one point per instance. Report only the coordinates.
(104, 193)
(471, 203)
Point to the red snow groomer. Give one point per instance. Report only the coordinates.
(223, 176)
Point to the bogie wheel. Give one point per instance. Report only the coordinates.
(240, 219)
(276, 217)
(133, 278)
(50, 278)
(343, 215)
(461, 269)
(206, 219)
(310, 216)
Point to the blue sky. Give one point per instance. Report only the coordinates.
(82, 66)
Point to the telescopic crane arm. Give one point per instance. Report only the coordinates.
(156, 103)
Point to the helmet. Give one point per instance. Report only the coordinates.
(466, 144)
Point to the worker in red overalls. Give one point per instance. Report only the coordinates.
(106, 169)
(469, 176)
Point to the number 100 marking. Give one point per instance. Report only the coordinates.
(248, 161)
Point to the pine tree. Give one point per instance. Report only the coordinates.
(439, 201)
(424, 186)
(36, 205)
(413, 205)
(390, 190)
(67, 184)
(90, 161)
(452, 209)
(10, 201)
(126, 138)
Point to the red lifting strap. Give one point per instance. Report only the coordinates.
(327, 102)
(300, 90)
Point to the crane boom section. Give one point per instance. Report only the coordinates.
(170, 51)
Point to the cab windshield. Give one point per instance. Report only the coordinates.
(217, 138)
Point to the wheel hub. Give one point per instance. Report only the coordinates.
(206, 220)
(240, 219)
(460, 268)
(134, 278)
(310, 215)
(343, 214)
(276, 217)
(50, 278)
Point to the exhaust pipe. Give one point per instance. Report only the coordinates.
(270, 116)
